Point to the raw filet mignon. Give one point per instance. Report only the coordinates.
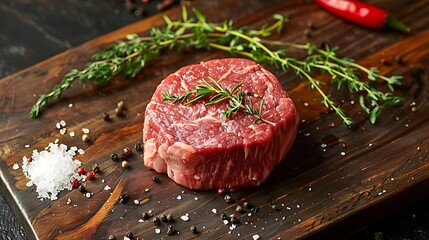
(200, 149)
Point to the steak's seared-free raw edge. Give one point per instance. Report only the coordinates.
(201, 149)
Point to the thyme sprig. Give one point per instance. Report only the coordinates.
(131, 56)
(234, 97)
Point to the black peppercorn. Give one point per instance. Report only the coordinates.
(138, 146)
(234, 219)
(194, 229)
(146, 216)
(155, 179)
(163, 217)
(228, 198)
(82, 188)
(156, 221)
(106, 116)
(129, 234)
(171, 230)
(223, 216)
(123, 198)
(122, 156)
(114, 157)
(254, 209)
(247, 205)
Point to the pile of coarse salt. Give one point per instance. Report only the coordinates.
(52, 170)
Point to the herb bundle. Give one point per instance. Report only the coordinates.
(129, 58)
(236, 100)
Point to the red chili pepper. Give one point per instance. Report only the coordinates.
(363, 14)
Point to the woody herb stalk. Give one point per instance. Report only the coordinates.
(129, 57)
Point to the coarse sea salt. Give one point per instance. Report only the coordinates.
(51, 170)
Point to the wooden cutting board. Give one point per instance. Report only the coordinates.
(360, 173)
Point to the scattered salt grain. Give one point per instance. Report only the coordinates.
(81, 151)
(72, 134)
(185, 217)
(141, 220)
(343, 153)
(88, 195)
(126, 238)
(57, 140)
(27, 146)
(255, 237)
(196, 198)
(136, 202)
(57, 125)
(225, 222)
(63, 131)
(107, 188)
(157, 230)
(214, 210)
(62, 123)
(15, 166)
(51, 170)
(306, 104)
(68, 201)
(147, 189)
(85, 130)
(179, 197)
(70, 105)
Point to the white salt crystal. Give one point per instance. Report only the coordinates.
(68, 201)
(107, 188)
(51, 170)
(196, 198)
(179, 197)
(255, 237)
(126, 238)
(57, 125)
(70, 105)
(157, 230)
(72, 134)
(185, 218)
(88, 195)
(63, 131)
(15, 166)
(85, 130)
(57, 140)
(214, 210)
(136, 202)
(141, 220)
(74, 148)
(27, 146)
(81, 151)
(343, 153)
(225, 222)
(63, 123)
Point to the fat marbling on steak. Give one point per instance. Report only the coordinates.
(200, 149)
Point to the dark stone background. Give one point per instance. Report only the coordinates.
(34, 30)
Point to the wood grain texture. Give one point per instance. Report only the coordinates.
(314, 187)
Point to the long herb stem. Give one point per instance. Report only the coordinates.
(129, 57)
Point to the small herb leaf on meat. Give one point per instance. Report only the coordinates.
(235, 97)
(130, 56)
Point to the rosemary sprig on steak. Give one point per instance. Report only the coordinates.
(129, 57)
(235, 97)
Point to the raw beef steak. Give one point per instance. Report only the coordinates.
(200, 149)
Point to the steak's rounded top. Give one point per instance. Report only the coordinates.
(204, 127)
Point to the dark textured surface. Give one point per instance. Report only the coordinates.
(31, 31)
